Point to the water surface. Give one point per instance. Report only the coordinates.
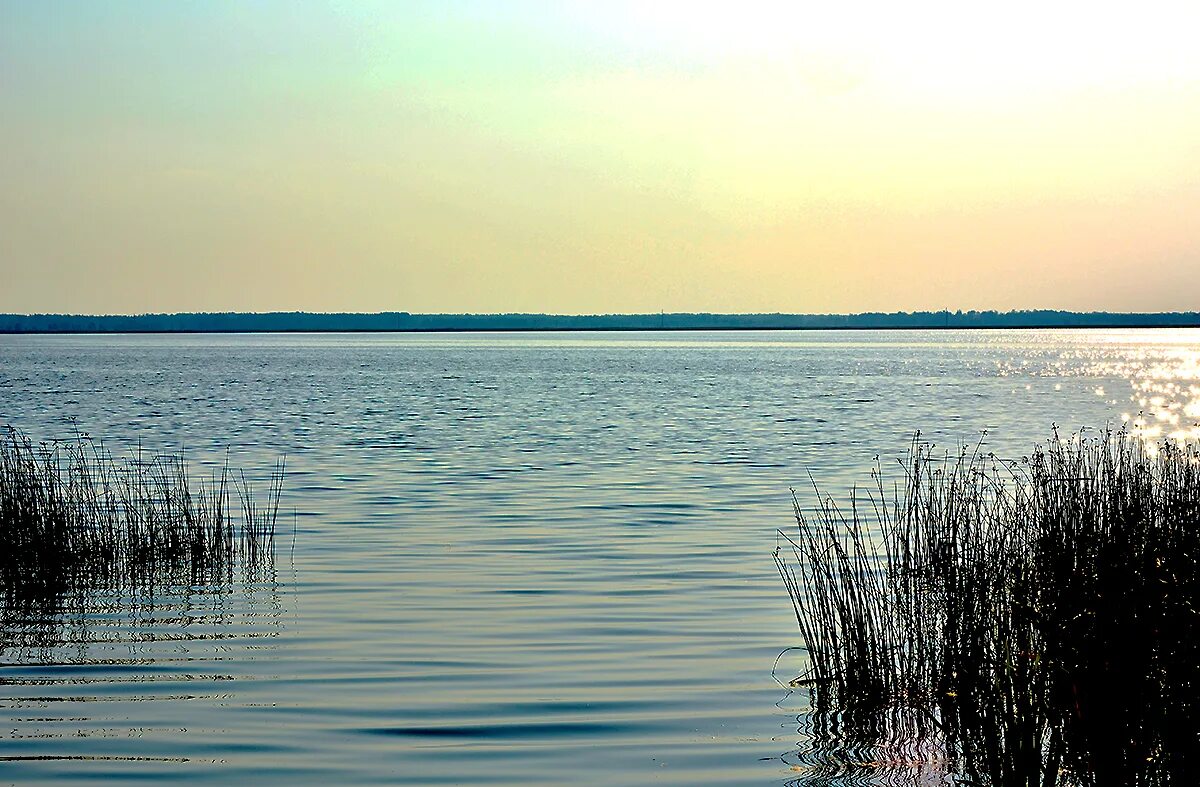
(518, 558)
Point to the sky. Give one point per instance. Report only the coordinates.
(574, 157)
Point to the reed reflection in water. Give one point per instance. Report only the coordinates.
(835, 749)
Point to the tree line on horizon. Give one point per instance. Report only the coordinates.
(254, 322)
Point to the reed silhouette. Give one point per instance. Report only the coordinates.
(1031, 622)
(75, 519)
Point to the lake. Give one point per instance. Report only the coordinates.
(507, 558)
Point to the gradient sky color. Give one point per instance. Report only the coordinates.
(598, 157)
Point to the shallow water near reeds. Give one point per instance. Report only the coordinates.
(517, 558)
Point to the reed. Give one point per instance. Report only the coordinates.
(1037, 622)
(74, 517)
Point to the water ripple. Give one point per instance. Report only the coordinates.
(518, 559)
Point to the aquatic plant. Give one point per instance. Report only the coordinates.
(73, 517)
(1035, 622)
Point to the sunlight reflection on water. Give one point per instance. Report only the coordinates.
(1164, 376)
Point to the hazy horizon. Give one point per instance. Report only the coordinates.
(579, 158)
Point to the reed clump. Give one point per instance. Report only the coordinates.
(75, 518)
(1037, 620)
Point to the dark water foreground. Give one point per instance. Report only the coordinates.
(518, 559)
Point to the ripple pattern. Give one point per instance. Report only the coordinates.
(518, 559)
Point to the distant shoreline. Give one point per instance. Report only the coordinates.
(404, 322)
(766, 329)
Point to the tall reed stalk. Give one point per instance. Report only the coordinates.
(1038, 621)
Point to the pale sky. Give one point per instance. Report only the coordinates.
(580, 157)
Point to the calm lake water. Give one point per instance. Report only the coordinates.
(517, 558)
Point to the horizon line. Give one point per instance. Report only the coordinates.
(407, 322)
